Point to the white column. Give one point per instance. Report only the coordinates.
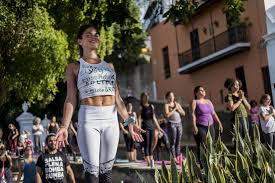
(154, 88)
(270, 47)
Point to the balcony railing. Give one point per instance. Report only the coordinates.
(214, 45)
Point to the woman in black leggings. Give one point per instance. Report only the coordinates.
(173, 112)
(148, 121)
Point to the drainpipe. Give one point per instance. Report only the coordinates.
(212, 30)
(154, 87)
(177, 41)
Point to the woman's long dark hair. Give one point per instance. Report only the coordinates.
(196, 89)
(167, 94)
(229, 82)
(142, 95)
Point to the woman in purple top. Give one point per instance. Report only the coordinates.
(203, 114)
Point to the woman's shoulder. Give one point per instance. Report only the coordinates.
(208, 101)
(228, 97)
(194, 102)
(73, 68)
(74, 65)
(263, 108)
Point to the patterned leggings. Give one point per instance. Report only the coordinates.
(98, 135)
(175, 134)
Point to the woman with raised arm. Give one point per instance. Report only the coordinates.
(98, 128)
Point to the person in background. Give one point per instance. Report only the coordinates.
(148, 121)
(160, 137)
(6, 164)
(254, 113)
(20, 149)
(24, 136)
(1, 134)
(237, 103)
(173, 113)
(130, 144)
(267, 119)
(27, 167)
(72, 134)
(60, 168)
(254, 116)
(13, 138)
(203, 117)
(52, 126)
(37, 130)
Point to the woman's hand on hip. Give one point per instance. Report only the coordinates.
(62, 138)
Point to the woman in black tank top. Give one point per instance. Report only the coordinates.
(53, 126)
(148, 122)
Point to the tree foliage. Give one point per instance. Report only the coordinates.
(233, 10)
(181, 12)
(128, 42)
(38, 38)
(33, 54)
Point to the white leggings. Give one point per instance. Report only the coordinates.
(98, 136)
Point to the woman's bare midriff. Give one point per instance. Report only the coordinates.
(99, 101)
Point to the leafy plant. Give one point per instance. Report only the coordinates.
(233, 10)
(250, 162)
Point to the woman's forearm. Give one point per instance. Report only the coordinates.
(246, 104)
(233, 107)
(121, 108)
(69, 107)
(193, 120)
(168, 114)
(216, 118)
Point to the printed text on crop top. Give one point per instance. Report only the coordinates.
(95, 79)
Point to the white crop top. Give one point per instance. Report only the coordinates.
(95, 79)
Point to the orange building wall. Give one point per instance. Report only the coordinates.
(214, 75)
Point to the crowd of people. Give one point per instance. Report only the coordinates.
(167, 127)
(24, 145)
(93, 82)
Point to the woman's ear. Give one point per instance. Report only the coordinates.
(79, 41)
